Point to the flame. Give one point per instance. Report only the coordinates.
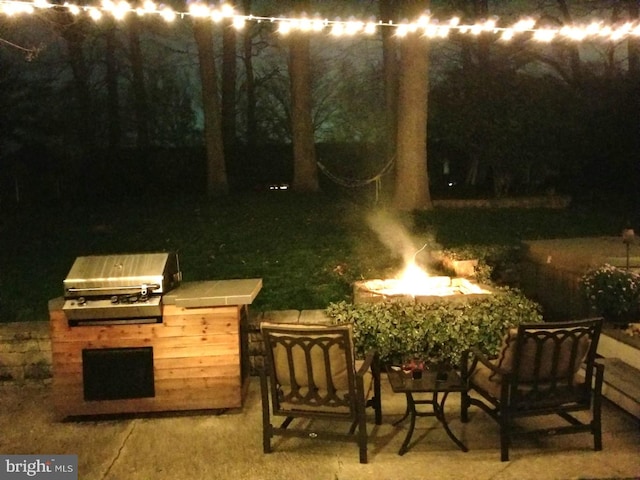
(415, 281)
(412, 280)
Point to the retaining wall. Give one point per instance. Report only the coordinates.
(25, 351)
(25, 347)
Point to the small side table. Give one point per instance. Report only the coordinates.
(432, 382)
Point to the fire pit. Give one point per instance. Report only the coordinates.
(435, 289)
(415, 285)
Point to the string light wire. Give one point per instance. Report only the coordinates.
(428, 26)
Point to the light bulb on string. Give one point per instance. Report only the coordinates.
(227, 10)
(305, 24)
(402, 30)
(199, 10)
(370, 28)
(353, 27)
(337, 29)
(507, 34)
(430, 27)
(284, 27)
(73, 9)
(544, 35)
(524, 25)
(238, 22)
(149, 6)
(167, 14)
(317, 25)
(95, 13)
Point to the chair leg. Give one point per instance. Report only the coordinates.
(362, 437)
(266, 440)
(596, 422)
(361, 421)
(504, 437)
(597, 432)
(352, 428)
(464, 407)
(267, 431)
(377, 394)
(375, 403)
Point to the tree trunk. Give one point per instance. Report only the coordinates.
(574, 52)
(633, 42)
(250, 85)
(216, 168)
(229, 88)
(113, 98)
(305, 168)
(412, 181)
(390, 71)
(73, 32)
(140, 98)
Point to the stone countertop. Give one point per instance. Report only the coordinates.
(214, 293)
(582, 253)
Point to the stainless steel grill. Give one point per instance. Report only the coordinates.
(125, 288)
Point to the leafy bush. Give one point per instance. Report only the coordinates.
(438, 331)
(612, 292)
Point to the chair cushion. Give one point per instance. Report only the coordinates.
(529, 351)
(368, 392)
(337, 361)
(483, 378)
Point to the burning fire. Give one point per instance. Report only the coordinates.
(412, 280)
(416, 282)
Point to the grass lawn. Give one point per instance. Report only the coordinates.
(308, 249)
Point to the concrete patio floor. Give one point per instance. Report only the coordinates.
(228, 445)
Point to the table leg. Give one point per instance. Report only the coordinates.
(406, 414)
(411, 412)
(438, 409)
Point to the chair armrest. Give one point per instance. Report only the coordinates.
(478, 356)
(371, 361)
(599, 376)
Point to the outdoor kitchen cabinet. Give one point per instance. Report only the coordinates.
(199, 358)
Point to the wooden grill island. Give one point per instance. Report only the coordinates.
(116, 354)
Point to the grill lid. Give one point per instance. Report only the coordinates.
(104, 275)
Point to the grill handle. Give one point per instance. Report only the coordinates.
(143, 288)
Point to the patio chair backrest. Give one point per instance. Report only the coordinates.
(310, 366)
(550, 363)
(545, 352)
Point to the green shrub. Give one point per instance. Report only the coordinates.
(612, 292)
(438, 331)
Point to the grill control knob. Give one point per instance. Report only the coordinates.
(81, 300)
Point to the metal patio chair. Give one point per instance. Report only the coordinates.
(313, 374)
(542, 369)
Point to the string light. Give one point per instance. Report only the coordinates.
(425, 24)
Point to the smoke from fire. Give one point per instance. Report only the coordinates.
(394, 233)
